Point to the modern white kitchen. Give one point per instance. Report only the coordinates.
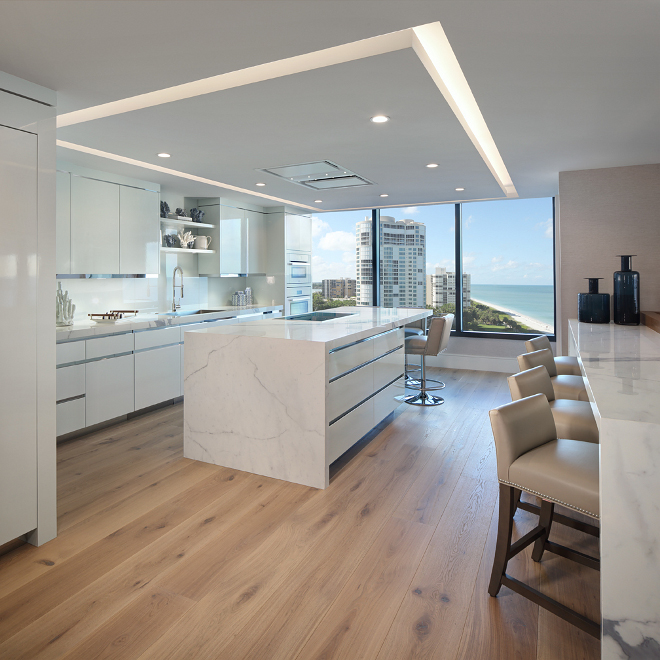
(256, 399)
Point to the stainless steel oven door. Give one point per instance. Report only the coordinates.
(298, 269)
(298, 300)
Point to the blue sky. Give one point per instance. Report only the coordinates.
(504, 242)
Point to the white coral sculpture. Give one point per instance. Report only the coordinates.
(64, 307)
(185, 238)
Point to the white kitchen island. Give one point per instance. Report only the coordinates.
(621, 366)
(285, 398)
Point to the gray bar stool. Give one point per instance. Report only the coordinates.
(565, 387)
(409, 380)
(434, 343)
(566, 366)
(574, 419)
(531, 458)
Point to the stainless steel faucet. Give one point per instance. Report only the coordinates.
(174, 285)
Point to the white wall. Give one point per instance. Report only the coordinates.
(603, 213)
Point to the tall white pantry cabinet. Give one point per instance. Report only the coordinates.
(27, 269)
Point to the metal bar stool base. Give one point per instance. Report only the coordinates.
(417, 384)
(421, 399)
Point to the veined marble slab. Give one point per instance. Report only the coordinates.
(257, 395)
(144, 321)
(621, 365)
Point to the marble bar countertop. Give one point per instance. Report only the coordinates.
(622, 367)
(146, 320)
(362, 322)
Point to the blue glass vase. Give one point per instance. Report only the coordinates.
(626, 293)
(593, 307)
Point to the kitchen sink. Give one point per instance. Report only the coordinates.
(191, 313)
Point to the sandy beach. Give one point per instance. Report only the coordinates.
(535, 324)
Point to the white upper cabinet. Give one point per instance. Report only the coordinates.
(298, 233)
(94, 226)
(257, 242)
(233, 240)
(63, 224)
(139, 231)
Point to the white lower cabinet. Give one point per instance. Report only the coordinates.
(70, 416)
(157, 376)
(110, 387)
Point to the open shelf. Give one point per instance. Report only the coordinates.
(185, 223)
(187, 250)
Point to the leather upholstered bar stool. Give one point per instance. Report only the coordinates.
(573, 419)
(566, 366)
(565, 387)
(435, 342)
(439, 385)
(408, 379)
(531, 458)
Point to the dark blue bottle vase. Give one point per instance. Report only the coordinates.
(626, 293)
(593, 307)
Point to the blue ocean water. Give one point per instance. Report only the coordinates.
(534, 300)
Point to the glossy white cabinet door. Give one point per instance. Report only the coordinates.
(63, 224)
(18, 387)
(233, 240)
(257, 242)
(298, 233)
(70, 416)
(157, 376)
(94, 226)
(305, 233)
(139, 231)
(110, 387)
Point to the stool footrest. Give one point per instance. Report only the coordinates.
(562, 520)
(574, 555)
(579, 621)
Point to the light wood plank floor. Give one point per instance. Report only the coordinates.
(159, 557)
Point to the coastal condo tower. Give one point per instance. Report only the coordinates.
(403, 255)
(441, 288)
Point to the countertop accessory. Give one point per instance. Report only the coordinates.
(164, 209)
(626, 293)
(238, 299)
(186, 238)
(202, 242)
(64, 307)
(197, 215)
(113, 315)
(248, 295)
(170, 240)
(593, 307)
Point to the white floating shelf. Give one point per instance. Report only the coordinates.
(187, 250)
(185, 223)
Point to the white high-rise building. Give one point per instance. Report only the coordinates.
(441, 288)
(403, 262)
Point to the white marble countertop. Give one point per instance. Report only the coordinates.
(146, 320)
(362, 322)
(622, 366)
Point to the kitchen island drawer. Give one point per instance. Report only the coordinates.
(111, 345)
(70, 381)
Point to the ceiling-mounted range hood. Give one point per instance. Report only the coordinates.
(319, 175)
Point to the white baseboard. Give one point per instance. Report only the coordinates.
(506, 365)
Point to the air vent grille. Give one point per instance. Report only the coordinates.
(319, 175)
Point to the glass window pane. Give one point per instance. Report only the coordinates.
(508, 266)
(341, 241)
(417, 257)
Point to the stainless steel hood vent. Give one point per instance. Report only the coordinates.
(319, 175)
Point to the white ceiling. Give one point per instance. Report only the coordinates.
(561, 85)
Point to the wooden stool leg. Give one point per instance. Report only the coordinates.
(516, 498)
(504, 531)
(545, 521)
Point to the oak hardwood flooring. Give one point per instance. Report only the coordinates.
(162, 558)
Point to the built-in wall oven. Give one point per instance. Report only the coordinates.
(298, 300)
(298, 268)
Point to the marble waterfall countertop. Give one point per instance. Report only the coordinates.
(621, 367)
(360, 323)
(147, 320)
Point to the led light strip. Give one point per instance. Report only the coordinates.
(429, 42)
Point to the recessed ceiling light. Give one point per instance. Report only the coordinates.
(261, 184)
(317, 201)
(384, 195)
(380, 119)
(163, 155)
(460, 189)
(432, 165)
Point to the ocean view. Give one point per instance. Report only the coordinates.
(535, 301)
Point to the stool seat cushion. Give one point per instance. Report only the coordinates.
(415, 345)
(567, 366)
(562, 471)
(574, 420)
(570, 387)
(413, 332)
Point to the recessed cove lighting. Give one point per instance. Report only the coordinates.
(163, 155)
(384, 195)
(380, 119)
(460, 189)
(432, 165)
(318, 201)
(261, 184)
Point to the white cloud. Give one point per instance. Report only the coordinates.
(496, 260)
(468, 221)
(546, 227)
(444, 263)
(411, 210)
(338, 241)
(468, 259)
(507, 266)
(319, 226)
(322, 270)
